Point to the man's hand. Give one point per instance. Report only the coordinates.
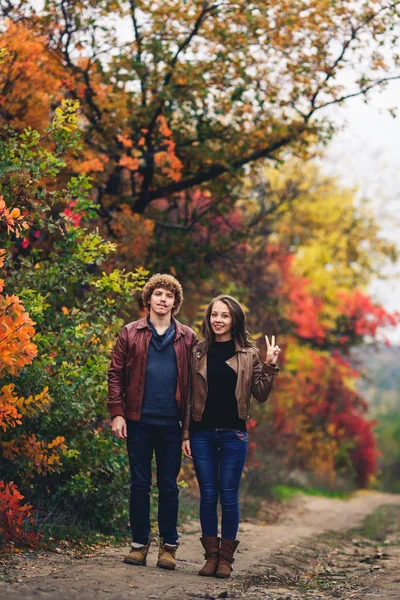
(186, 449)
(118, 427)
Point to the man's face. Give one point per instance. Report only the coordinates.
(162, 301)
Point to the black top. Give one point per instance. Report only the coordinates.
(220, 411)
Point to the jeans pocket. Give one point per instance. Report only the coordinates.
(241, 435)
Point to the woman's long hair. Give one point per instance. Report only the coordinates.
(239, 331)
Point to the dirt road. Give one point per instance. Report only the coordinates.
(105, 576)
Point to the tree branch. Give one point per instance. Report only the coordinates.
(216, 170)
(138, 38)
(204, 12)
(332, 69)
(195, 219)
(361, 92)
(95, 113)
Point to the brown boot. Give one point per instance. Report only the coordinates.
(211, 547)
(138, 556)
(226, 560)
(166, 555)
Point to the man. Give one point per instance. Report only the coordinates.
(148, 388)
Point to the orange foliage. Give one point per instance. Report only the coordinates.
(2, 257)
(13, 219)
(17, 350)
(30, 77)
(41, 458)
(90, 165)
(16, 331)
(134, 234)
(127, 143)
(16, 327)
(13, 515)
(130, 163)
(89, 162)
(9, 414)
(166, 159)
(31, 406)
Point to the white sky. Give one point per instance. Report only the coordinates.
(366, 155)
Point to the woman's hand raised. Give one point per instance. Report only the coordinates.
(273, 351)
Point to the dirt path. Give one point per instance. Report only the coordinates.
(105, 576)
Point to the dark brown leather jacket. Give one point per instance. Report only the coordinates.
(254, 378)
(127, 371)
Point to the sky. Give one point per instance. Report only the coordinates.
(366, 155)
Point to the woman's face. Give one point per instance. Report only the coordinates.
(221, 321)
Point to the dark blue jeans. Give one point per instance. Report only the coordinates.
(165, 441)
(219, 456)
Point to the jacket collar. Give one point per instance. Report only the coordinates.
(179, 328)
(143, 323)
(201, 348)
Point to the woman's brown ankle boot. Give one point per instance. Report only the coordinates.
(211, 547)
(226, 560)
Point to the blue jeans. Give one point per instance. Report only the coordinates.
(165, 441)
(219, 456)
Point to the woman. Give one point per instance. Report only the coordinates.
(226, 371)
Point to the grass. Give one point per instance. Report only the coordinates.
(384, 521)
(285, 493)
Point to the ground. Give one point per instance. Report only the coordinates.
(322, 549)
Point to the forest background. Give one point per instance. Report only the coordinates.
(189, 148)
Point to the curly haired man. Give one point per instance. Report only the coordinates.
(147, 393)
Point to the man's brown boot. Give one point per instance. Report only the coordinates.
(166, 555)
(226, 560)
(211, 547)
(138, 556)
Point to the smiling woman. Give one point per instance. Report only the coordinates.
(226, 370)
(221, 321)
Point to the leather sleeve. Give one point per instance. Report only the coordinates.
(189, 401)
(116, 376)
(263, 378)
(188, 411)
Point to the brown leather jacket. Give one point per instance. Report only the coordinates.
(127, 371)
(254, 378)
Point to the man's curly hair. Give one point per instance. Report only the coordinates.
(167, 282)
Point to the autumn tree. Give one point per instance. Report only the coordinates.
(57, 329)
(179, 95)
(302, 271)
(31, 77)
(16, 351)
(19, 164)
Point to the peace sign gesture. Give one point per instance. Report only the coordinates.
(272, 351)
